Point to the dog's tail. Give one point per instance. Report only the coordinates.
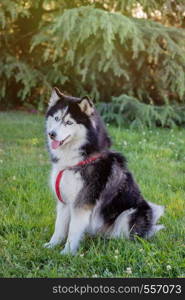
(140, 221)
(157, 212)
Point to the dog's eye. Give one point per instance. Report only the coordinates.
(56, 118)
(69, 123)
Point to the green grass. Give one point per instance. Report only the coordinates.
(27, 208)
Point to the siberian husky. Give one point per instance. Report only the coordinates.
(94, 189)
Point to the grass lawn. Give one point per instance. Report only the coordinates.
(27, 208)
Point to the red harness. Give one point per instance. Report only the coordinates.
(59, 176)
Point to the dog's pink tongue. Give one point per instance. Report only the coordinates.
(55, 144)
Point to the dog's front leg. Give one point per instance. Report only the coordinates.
(61, 226)
(78, 225)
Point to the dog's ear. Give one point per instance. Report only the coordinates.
(86, 106)
(56, 94)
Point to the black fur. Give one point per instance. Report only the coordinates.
(140, 220)
(94, 181)
(124, 195)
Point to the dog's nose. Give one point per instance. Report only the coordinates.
(52, 134)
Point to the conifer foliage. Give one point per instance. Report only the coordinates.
(107, 49)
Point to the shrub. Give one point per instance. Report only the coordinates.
(101, 48)
(126, 110)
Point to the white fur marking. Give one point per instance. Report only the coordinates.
(61, 226)
(121, 224)
(157, 211)
(78, 225)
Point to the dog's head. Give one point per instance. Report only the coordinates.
(67, 120)
(74, 123)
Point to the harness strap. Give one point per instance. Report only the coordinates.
(60, 173)
(57, 183)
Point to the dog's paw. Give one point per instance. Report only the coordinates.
(67, 251)
(49, 245)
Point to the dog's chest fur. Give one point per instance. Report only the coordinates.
(70, 184)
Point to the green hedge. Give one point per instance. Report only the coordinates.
(128, 111)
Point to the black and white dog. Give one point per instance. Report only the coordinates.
(95, 191)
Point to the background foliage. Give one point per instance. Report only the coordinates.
(128, 54)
